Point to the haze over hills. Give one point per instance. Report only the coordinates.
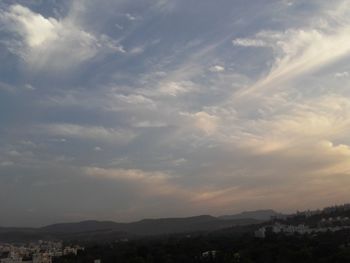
(104, 231)
(146, 227)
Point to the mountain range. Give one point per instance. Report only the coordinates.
(107, 230)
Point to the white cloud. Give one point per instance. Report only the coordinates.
(176, 88)
(51, 42)
(249, 42)
(344, 74)
(137, 50)
(35, 28)
(125, 174)
(203, 121)
(149, 124)
(130, 17)
(164, 5)
(131, 101)
(217, 68)
(29, 87)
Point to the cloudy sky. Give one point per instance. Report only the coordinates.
(122, 110)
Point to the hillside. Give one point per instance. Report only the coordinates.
(258, 215)
(107, 230)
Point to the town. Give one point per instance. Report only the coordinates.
(36, 252)
(329, 219)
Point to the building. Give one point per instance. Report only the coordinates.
(42, 258)
(260, 233)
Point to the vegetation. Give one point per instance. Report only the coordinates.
(225, 247)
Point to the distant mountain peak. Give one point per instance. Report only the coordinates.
(263, 214)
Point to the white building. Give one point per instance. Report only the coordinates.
(260, 233)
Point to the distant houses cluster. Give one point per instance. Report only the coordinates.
(291, 230)
(39, 252)
(327, 220)
(325, 211)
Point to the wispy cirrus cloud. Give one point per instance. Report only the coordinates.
(249, 42)
(301, 51)
(87, 132)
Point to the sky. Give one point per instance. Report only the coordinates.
(122, 110)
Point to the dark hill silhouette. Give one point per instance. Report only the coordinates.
(149, 226)
(258, 215)
(108, 230)
(84, 226)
